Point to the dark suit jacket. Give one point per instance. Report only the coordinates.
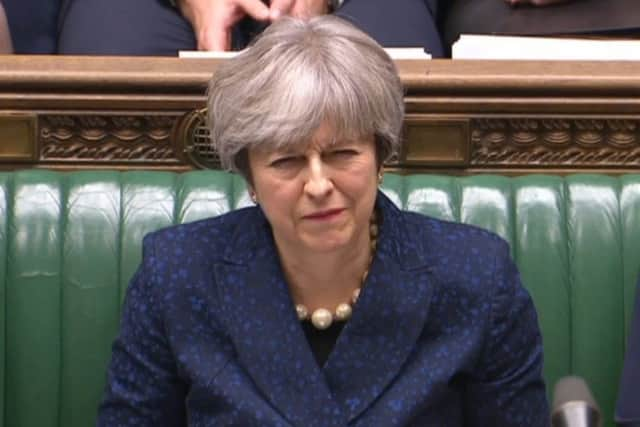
(628, 405)
(33, 25)
(573, 17)
(443, 334)
(152, 27)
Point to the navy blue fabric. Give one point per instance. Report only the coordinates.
(628, 405)
(33, 25)
(443, 334)
(397, 23)
(123, 27)
(151, 27)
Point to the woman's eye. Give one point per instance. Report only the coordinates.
(283, 162)
(344, 153)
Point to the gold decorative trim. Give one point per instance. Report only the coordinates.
(107, 138)
(18, 137)
(435, 141)
(555, 142)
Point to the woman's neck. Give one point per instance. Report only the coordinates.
(324, 280)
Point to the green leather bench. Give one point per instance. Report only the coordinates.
(70, 242)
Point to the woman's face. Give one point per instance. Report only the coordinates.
(317, 197)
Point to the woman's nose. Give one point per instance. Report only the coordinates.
(319, 183)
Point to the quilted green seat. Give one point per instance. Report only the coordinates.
(69, 242)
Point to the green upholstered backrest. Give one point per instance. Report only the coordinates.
(69, 242)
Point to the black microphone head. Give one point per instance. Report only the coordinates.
(574, 405)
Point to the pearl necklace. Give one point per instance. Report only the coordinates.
(322, 318)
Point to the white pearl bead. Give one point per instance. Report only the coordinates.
(322, 318)
(343, 311)
(356, 294)
(364, 277)
(302, 311)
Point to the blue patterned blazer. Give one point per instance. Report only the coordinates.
(443, 334)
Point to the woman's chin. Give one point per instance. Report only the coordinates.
(325, 243)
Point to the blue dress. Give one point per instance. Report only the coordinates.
(443, 334)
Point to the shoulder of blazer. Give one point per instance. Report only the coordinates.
(210, 236)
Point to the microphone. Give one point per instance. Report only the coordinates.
(573, 404)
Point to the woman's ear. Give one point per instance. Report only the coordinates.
(253, 195)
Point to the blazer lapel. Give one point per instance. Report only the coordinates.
(268, 338)
(388, 317)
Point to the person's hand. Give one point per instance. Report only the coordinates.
(306, 9)
(535, 2)
(212, 20)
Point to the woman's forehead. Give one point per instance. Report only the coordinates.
(319, 142)
(324, 135)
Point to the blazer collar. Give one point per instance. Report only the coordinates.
(388, 317)
(263, 325)
(373, 346)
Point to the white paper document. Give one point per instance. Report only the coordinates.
(545, 48)
(394, 53)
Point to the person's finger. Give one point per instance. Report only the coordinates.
(217, 23)
(536, 2)
(214, 26)
(279, 8)
(547, 2)
(215, 37)
(305, 9)
(255, 8)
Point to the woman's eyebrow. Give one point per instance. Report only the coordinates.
(286, 151)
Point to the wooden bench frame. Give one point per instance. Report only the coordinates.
(506, 117)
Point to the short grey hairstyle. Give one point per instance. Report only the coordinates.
(297, 75)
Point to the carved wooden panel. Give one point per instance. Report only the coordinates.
(435, 142)
(17, 137)
(574, 142)
(462, 116)
(107, 138)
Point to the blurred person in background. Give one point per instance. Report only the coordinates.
(537, 18)
(164, 27)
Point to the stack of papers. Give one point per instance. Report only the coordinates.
(394, 53)
(545, 48)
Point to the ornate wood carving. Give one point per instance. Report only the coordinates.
(107, 138)
(198, 148)
(555, 142)
(138, 113)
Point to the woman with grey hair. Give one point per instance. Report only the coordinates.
(324, 304)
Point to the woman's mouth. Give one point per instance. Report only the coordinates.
(324, 215)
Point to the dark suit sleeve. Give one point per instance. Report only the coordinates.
(142, 385)
(508, 389)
